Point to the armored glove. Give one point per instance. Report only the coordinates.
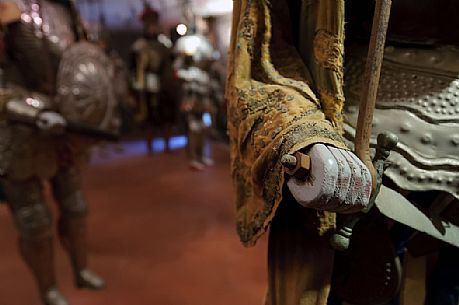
(338, 181)
(51, 122)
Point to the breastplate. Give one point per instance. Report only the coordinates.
(38, 41)
(418, 100)
(154, 57)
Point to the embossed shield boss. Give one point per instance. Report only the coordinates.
(84, 86)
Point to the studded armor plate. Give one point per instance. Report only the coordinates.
(418, 100)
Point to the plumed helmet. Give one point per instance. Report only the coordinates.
(149, 13)
(196, 46)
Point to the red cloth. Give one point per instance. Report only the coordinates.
(149, 14)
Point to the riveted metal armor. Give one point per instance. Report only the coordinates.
(51, 75)
(418, 100)
(50, 69)
(418, 96)
(35, 44)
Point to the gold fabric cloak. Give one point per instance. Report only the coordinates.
(280, 101)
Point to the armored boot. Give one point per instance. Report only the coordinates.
(39, 257)
(72, 232)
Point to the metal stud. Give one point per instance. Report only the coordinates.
(406, 127)
(455, 140)
(427, 139)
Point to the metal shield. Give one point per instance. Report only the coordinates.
(84, 86)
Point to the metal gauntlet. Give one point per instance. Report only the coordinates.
(23, 108)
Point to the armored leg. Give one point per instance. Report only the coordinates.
(149, 140)
(72, 226)
(151, 101)
(33, 221)
(196, 145)
(195, 141)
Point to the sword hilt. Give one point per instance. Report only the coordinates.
(341, 239)
(386, 142)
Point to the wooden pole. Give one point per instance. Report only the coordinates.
(370, 86)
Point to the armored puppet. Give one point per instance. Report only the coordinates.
(54, 82)
(151, 70)
(192, 64)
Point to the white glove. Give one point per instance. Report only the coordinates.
(338, 181)
(51, 122)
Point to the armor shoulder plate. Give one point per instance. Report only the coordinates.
(418, 100)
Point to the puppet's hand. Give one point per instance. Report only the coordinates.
(338, 181)
(51, 123)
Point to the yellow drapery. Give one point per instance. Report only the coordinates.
(280, 101)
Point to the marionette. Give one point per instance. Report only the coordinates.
(56, 100)
(152, 78)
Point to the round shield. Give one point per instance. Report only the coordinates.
(84, 86)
